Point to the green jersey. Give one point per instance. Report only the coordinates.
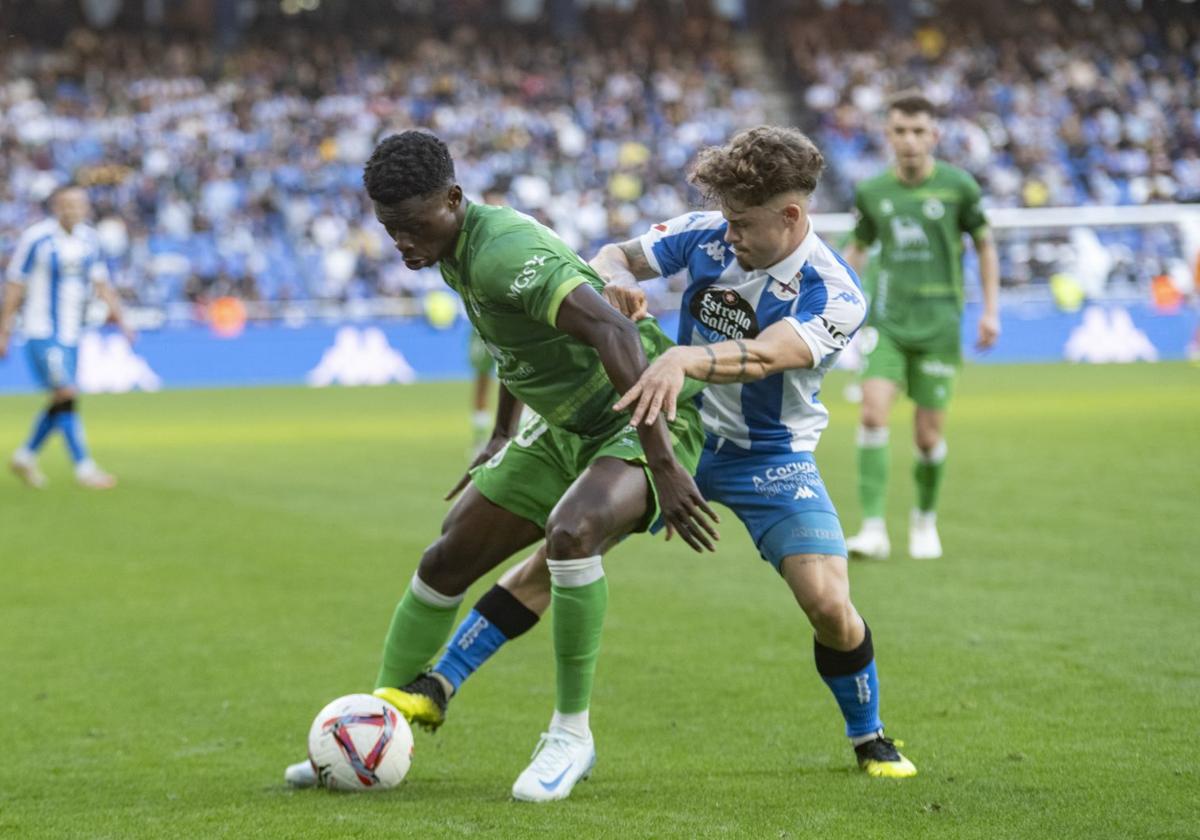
(918, 273)
(513, 274)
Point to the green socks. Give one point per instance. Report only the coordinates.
(873, 460)
(928, 472)
(420, 626)
(579, 598)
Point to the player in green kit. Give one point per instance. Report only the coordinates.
(576, 474)
(918, 212)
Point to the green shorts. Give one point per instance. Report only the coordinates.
(481, 360)
(925, 373)
(533, 470)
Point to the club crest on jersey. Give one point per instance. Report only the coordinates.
(786, 291)
(723, 314)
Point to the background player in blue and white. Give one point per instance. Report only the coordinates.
(57, 266)
(767, 309)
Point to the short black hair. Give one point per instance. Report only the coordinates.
(911, 102)
(412, 163)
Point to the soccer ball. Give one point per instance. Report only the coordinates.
(359, 742)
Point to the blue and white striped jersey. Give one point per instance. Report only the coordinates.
(812, 289)
(58, 270)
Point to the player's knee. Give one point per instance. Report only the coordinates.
(830, 613)
(573, 536)
(438, 569)
(927, 440)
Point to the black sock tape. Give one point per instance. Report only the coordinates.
(841, 663)
(505, 612)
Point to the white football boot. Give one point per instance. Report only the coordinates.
(923, 540)
(92, 477)
(871, 541)
(24, 465)
(301, 775)
(559, 761)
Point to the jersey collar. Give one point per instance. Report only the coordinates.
(465, 233)
(787, 268)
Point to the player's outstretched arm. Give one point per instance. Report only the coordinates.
(777, 348)
(621, 265)
(584, 315)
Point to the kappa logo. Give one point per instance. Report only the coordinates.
(804, 492)
(107, 364)
(1106, 336)
(715, 250)
(849, 297)
(361, 357)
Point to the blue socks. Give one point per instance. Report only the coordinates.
(60, 416)
(852, 678)
(42, 427)
(72, 429)
(496, 618)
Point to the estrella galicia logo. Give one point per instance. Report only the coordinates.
(723, 313)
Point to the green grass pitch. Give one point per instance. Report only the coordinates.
(163, 647)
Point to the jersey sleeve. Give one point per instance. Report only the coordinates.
(23, 258)
(865, 232)
(971, 218)
(827, 318)
(529, 273)
(668, 245)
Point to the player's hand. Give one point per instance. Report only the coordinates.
(683, 508)
(495, 443)
(3, 344)
(989, 331)
(656, 390)
(630, 301)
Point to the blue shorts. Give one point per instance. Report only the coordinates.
(779, 496)
(53, 364)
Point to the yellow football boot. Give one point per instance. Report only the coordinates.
(880, 759)
(422, 701)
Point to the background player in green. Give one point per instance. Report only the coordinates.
(577, 475)
(918, 212)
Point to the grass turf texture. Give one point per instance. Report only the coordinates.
(163, 647)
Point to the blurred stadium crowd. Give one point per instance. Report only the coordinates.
(235, 170)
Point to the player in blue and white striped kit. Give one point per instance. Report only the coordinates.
(56, 267)
(767, 309)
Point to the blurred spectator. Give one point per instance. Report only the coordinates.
(238, 173)
(1047, 105)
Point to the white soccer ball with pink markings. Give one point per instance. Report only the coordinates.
(359, 742)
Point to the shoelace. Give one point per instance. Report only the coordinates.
(551, 749)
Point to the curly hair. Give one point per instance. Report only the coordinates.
(757, 165)
(412, 163)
